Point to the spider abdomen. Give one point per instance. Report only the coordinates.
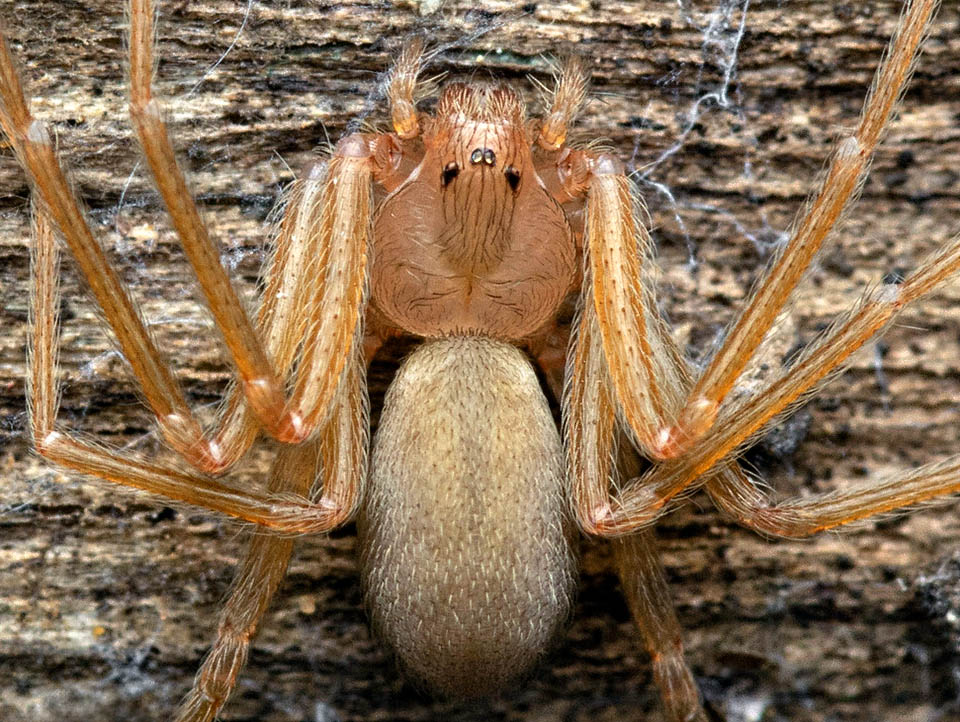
(467, 562)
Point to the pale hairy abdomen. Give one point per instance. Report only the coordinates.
(467, 563)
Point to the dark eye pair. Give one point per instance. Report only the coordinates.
(451, 170)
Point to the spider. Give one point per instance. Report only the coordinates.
(669, 439)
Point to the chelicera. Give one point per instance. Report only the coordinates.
(469, 228)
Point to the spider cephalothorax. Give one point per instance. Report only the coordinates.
(471, 240)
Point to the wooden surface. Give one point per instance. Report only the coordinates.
(108, 600)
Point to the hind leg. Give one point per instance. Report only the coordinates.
(645, 587)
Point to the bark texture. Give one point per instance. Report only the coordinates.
(109, 599)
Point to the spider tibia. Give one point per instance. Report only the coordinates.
(318, 171)
(37, 133)
(848, 148)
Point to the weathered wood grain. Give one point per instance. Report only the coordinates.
(108, 600)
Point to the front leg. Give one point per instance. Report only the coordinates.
(343, 438)
(645, 587)
(624, 367)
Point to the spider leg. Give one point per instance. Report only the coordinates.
(617, 332)
(737, 422)
(260, 574)
(280, 319)
(343, 438)
(345, 206)
(318, 262)
(34, 148)
(649, 363)
(796, 518)
(841, 183)
(645, 587)
(619, 315)
(644, 498)
(589, 422)
(261, 386)
(330, 233)
(598, 455)
(623, 366)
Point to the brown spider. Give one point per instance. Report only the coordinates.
(623, 364)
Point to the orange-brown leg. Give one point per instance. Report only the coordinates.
(624, 366)
(619, 305)
(645, 498)
(589, 424)
(334, 264)
(338, 458)
(743, 500)
(592, 405)
(344, 434)
(738, 422)
(336, 268)
(311, 310)
(841, 182)
(281, 321)
(34, 148)
(648, 597)
(319, 264)
(259, 576)
(622, 299)
(261, 386)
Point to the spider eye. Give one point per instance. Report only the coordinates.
(450, 171)
(513, 177)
